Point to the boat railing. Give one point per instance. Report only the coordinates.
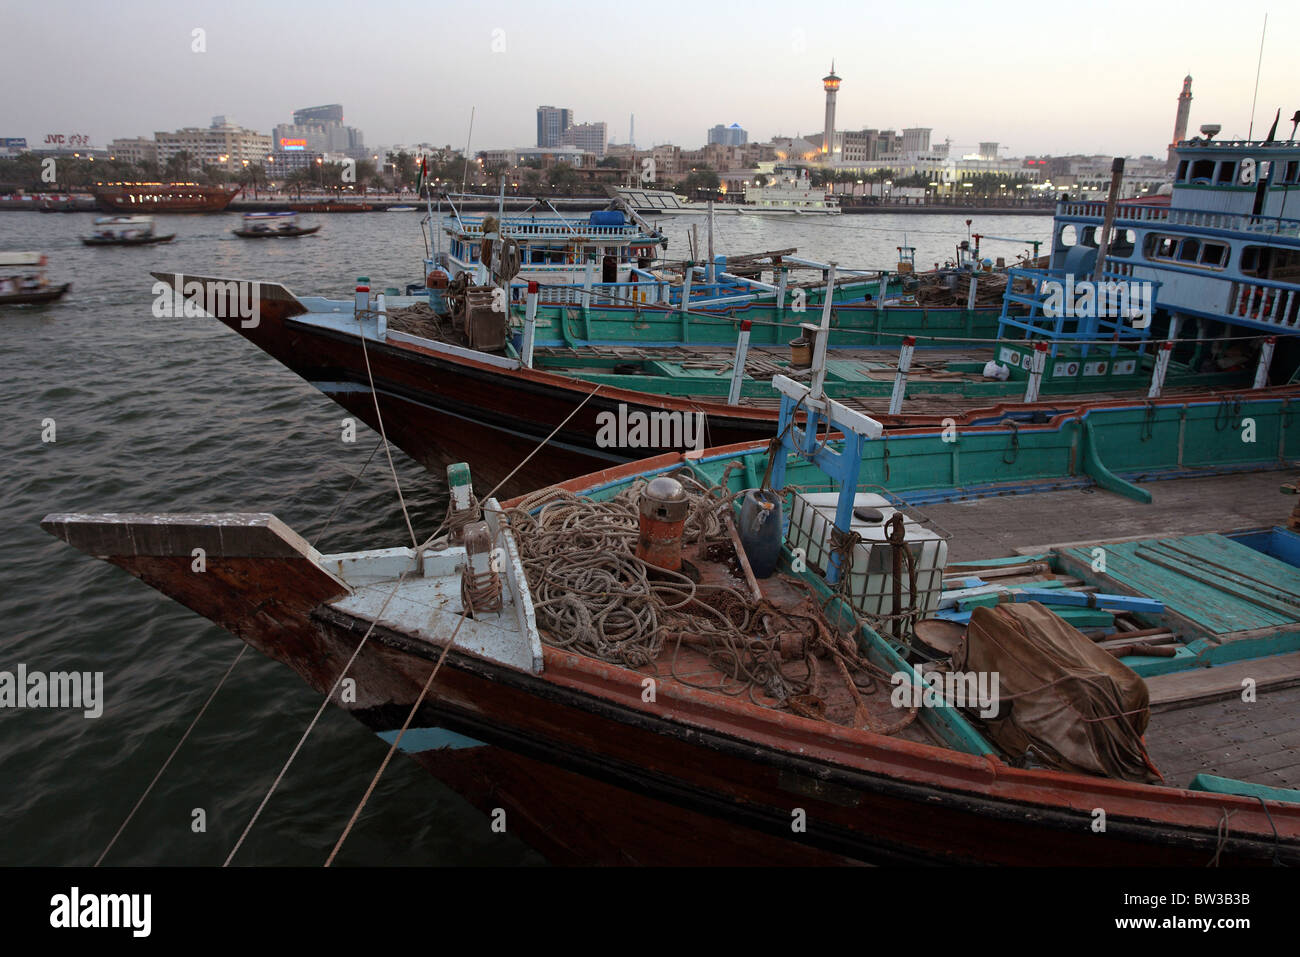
(572, 231)
(1207, 219)
(1264, 301)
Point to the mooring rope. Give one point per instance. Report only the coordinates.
(184, 738)
(379, 418)
(469, 610)
(319, 711)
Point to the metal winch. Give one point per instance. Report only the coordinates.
(662, 512)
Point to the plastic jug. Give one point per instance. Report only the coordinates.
(761, 530)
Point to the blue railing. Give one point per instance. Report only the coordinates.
(1067, 326)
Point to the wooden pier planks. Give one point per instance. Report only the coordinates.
(1219, 584)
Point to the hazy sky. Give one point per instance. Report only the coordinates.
(1095, 77)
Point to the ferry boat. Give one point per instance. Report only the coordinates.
(23, 281)
(789, 191)
(273, 226)
(125, 231)
(163, 197)
(827, 665)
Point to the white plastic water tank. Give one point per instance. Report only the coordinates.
(871, 584)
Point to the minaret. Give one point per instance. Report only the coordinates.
(1180, 121)
(831, 84)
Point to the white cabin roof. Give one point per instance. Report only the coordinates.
(22, 259)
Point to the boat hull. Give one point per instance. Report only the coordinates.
(162, 199)
(729, 770)
(276, 234)
(35, 298)
(143, 241)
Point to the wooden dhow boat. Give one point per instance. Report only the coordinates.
(730, 656)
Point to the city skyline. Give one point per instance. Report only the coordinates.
(1013, 83)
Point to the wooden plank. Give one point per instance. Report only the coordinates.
(1217, 613)
(1090, 600)
(1225, 681)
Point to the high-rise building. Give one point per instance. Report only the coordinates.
(1180, 121)
(222, 144)
(989, 151)
(589, 137)
(731, 135)
(318, 115)
(319, 129)
(831, 84)
(552, 123)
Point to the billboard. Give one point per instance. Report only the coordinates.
(287, 144)
(13, 142)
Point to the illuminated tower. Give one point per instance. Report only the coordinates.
(831, 84)
(1180, 121)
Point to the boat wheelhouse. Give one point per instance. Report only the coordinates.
(1221, 259)
(23, 280)
(789, 190)
(552, 250)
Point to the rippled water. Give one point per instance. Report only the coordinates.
(183, 415)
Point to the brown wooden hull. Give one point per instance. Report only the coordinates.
(734, 771)
(441, 408)
(163, 199)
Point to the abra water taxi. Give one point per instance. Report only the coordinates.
(23, 281)
(125, 231)
(272, 226)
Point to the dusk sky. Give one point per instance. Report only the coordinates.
(1100, 77)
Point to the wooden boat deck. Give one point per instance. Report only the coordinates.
(1222, 599)
(869, 367)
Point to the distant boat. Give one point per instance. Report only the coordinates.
(163, 197)
(273, 226)
(789, 192)
(662, 202)
(23, 282)
(125, 231)
(402, 209)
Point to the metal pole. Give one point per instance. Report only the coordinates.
(900, 380)
(823, 337)
(1036, 365)
(738, 370)
(712, 270)
(686, 286)
(782, 276)
(882, 290)
(1265, 359)
(530, 326)
(587, 278)
(1112, 199)
(1162, 366)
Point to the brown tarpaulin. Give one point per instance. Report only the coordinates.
(1053, 685)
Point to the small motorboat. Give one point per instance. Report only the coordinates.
(125, 231)
(272, 226)
(402, 209)
(23, 281)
